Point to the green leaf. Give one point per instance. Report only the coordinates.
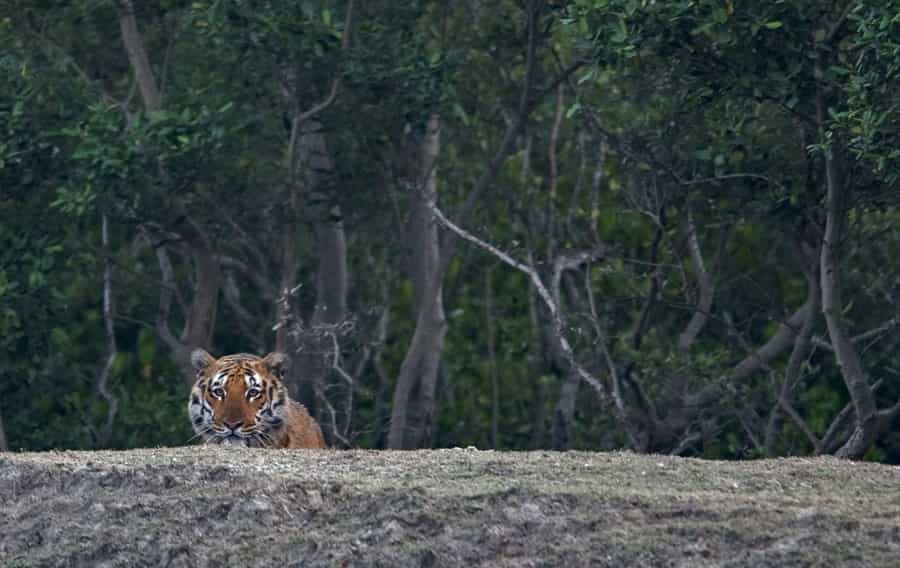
(773, 25)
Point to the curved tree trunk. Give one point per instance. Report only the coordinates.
(414, 396)
(847, 358)
(705, 285)
(137, 57)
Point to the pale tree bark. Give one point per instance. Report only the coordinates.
(548, 294)
(413, 402)
(201, 313)
(564, 413)
(423, 355)
(112, 351)
(321, 346)
(704, 284)
(866, 427)
(315, 341)
(137, 57)
(309, 166)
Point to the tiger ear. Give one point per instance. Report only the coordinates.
(278, 363)
(201, 360)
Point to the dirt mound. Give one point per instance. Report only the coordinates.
(204, 506)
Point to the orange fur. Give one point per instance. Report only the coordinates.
(240, 400)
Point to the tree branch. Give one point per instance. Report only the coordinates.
(799, 354)
(757, 360)
(837, 200)
(137, 56)
(882, 329)
(111, 348)
(706, 285)
(552, 307)
(336, 82)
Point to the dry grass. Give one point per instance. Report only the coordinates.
(205, 506)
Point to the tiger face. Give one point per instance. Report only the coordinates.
(239, 400)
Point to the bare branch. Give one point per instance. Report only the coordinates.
(706, 285)
(799, 354)
(836, 434)
(690, 438)
(332, 414)
(610, 364)
(551, 305)
(882, 330)
(564, 263)
(111, 348)
(527, 102)
(755, 361)
(800, 422)
(336, 82)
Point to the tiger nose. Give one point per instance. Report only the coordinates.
(233, 425)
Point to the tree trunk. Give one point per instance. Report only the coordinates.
(321, 346)
(754, 362)
(201, 314)
(316, 342)
(413, 403)
(137, 56)
(564, 414)
(848, 359)
(200, 319)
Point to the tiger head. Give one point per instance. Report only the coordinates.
(239, 400)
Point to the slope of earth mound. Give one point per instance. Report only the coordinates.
(205, 506)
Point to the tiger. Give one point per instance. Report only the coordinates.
(241, 401)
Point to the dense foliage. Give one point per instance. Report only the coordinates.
(667, 226)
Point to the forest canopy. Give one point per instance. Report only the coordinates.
(664, 226)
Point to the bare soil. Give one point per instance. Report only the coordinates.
(207, 506)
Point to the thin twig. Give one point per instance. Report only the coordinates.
(552, 307)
